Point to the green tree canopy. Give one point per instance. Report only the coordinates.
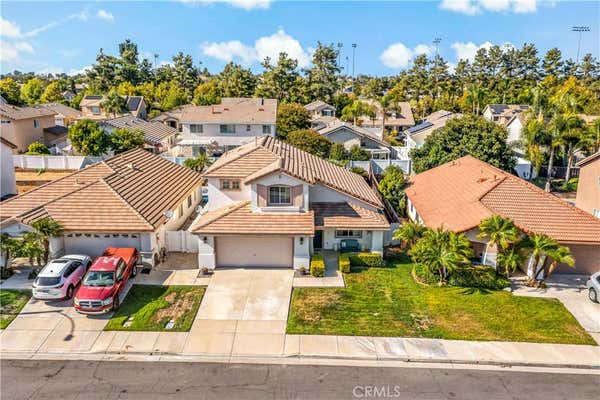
(53, 93)
(31, 92)
(124, 139)
(279, 81)
(391, 187)
(207, 93)
(338, 152)
(292, 117)
(199, 163)
(37, 148)
(9, 89)
(310, 141)
(88, 139)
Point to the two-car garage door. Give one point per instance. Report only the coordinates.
(93, 245)
(259, 251)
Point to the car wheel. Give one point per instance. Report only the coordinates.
(593, 295)
(70, 291)
(116, 303)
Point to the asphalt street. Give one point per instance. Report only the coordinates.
(66, 380)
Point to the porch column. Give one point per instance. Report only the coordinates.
(377, 242)
(206, 252)
(302, 252)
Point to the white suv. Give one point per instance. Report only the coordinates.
(59, 278)
(593, 285)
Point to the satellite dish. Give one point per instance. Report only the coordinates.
(168, 214)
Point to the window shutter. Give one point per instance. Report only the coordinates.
(261, 190)
(297, 194)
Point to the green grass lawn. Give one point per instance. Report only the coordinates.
(151, 307)
(388, 302)
(11, 304)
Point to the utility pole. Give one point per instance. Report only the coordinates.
(339, 46)
(155, 60)
(437, 42)
(579, 29)
(353, 54)
(347, 65)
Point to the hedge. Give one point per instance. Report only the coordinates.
(317, 266)
(473, 276)
(366, 259)
(344, 263)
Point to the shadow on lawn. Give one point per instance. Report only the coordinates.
(473, 290)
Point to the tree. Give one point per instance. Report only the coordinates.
(128, 64)
(53, 93)
(207, 94)
(236, 81)
(476, 96)
(31, 92)
(358, 154)
(510, 260)
(310, 141)
(102, 75)
(292, 117)
(559, 255)
(199, 163)
(409, 233)
(37, 148)
(278, 81)
(46, 228)
(31, 247)
(338, 152)
(360, 171)
(170, 95)
(539, 245)
(552, 64)
(470, 134)
(9, 89)
(503, 235)
(323, 75)
(123, 139)
(184, 73)
(88, 139)
(8, 248)
(533, 135)
(126, 89)
(392, 186)
(355, 110)
(113, 104)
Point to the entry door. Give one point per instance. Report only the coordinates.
(318, 240)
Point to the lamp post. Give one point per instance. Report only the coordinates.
(437, 42)
(579, 29)
(353, 54)
(339, 46)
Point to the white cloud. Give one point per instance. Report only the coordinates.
(105, 15)
(266, 46)
(9, 29)
(12, 51)
(472, 7)
(244, 4)
(467, 51)
(79, 71)
(398, 55)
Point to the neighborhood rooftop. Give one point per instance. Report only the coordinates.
(128, 192)
(459, 194)
(154, 132)
(16, 113)
(272, 154)
(233, 110)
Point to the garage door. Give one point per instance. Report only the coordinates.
(240, 251)
(94, 244)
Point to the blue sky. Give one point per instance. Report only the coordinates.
(66, 36)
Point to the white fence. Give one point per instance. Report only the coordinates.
(25, 161)
(182, 241)
(380, 165)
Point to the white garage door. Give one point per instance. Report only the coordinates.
(94, 244)
(241, 251)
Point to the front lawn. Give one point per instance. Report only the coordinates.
(11, 304)
(150, 308)
(388, 302)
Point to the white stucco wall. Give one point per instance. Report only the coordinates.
(330, 242)
(8, 184)
(514, 131)
(302, 252)
(279, 178)
(206, 252)
(212, 132)
(218, 198)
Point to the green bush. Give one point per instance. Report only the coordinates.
(344, 263)
(366, 259)
(317, 266)
(480, 277)
(423, 275)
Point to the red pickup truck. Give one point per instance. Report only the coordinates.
(105, 280)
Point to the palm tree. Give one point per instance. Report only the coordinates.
(409, 233)
(113, 104)
(539, 245)
(8, 247)
(32, 248)
(476, 96)
(199, 163)
(560, 255)
(533, 136)
(573, 140)
(46, 228)
(511, 260)
(556, 126)
(501, 231)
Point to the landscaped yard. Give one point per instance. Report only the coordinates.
(150, 308)
(11, 303)
(388, 302)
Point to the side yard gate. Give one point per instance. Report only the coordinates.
(181, 241)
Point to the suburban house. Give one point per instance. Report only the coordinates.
(8, 185)
(172, 117)
(273, 205)
(418, 133)
(224, 126)
(514, 126)
(64, 115)
(397, 118)
(588, 189)
(129, 200)
(68, 95)
(158, 137)
(351, 135)
(322, 114)
(502, 113)
(91, 107)
(459, 194)
(25, 125)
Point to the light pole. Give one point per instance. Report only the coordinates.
(339, 46)
(437, 42)
(347, 64)
(353, 54)
(155, 60)
(579, 29)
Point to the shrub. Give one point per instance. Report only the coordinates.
(344, 263)
(366, 259)
(317, 266)
(481, 277)
(37, 148)
(423, 275)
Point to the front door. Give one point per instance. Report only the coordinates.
(318, 240)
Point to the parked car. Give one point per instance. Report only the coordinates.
(59, 278)
(593, 285)
(105, 281)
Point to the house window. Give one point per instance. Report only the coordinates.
(596, 212)
(196, 128)
(229, 128)
(230, 184)
(95, 110)
(248, 128)
(189, 201)
(279, 196)
(266, 129)
(36, 123)
(346, 233)
(327, 113)
(181, 210)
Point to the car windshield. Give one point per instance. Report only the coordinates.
(99, 278)
(48, 280)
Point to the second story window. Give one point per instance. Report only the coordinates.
(267, 129)
(229, 128)
(279, 196)
(230, 184)
(196, 128)
(248, 128)
(36, 123)
(95, 110)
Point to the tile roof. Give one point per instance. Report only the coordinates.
(589, 159)
(17, 113)
(403, 116)
(260, 153)
(347, 215)
(317, 105)
(62, 109)
(507, 109)
(154, 132)
(233, 110)
(460, 193)
(239, 219)
(337, 124)
(174, 113)
(129, 191)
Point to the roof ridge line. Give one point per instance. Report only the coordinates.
(102, 180)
